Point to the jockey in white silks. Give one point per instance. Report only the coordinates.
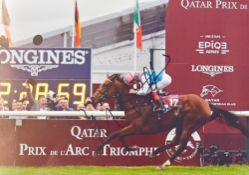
(152, 82)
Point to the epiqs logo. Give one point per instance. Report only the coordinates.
(191, 148)
(38, 60)
(212, 44)
(210, 89)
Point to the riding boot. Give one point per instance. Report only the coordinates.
(159, 104)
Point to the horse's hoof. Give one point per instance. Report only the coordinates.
(133, 148)
(95, 154)
(167, 163)
(152, 155)
(159, 168)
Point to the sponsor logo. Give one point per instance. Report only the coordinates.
(210, 89)
(212, 70)
(108, 150)
(217, 4)
(212, 44)
(191, 148)
(80, 133)
(210, 92)
(39, 60)
(193, 4)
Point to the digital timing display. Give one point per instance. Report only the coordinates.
(66, 72)
(75, 91)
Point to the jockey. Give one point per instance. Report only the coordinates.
(152, 82)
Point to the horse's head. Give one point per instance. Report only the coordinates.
(112, 87)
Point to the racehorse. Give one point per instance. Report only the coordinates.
(190, 114)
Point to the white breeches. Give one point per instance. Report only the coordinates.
(146, 89)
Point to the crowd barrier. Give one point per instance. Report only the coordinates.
(241, 113)
(63, 113)
(83, 113)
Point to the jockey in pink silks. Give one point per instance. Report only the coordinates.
(153, 82)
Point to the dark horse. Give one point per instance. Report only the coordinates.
(190, 113)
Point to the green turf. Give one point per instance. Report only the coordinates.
(148, 170)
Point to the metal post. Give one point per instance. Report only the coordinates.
(65, 40)
(247, 141)
(152, 59)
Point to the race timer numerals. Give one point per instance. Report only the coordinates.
(73, 91)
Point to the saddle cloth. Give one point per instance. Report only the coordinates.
(170, 101)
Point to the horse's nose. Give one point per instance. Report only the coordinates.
(93, 99)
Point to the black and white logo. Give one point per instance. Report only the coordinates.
(210, 89)
(191, 148)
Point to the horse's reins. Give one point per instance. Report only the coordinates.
(104, 94)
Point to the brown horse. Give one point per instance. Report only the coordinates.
(191, 113)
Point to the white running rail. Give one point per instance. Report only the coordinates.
(83, 113)
(63, 113)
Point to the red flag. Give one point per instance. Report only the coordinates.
(77, 27)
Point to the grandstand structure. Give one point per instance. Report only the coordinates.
(111, 39)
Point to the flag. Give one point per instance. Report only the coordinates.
(77, 27)
(137, 27)
(5, 21)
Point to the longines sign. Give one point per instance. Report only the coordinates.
(212, 70)
(38, 60)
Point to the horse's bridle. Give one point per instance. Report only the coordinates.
(103, 93)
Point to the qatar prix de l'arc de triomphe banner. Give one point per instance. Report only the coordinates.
(208, 43)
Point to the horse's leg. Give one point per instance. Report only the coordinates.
(127, 148)
(173, 143)
(136, 127)
(125, 131)
(182, 145)
(108, 139)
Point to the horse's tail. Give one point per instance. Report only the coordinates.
(230, 118)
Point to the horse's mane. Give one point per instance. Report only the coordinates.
(130, 98)
(120, 78)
